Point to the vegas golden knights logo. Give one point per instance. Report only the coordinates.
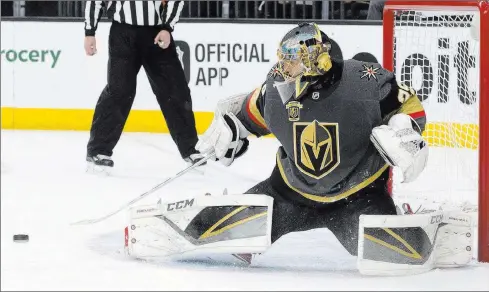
(293, 109)
(316, 148)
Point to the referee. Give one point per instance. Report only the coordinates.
(140, 35)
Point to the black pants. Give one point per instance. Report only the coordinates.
(131, 47)
(341, 217)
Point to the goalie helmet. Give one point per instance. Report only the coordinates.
(303, 54)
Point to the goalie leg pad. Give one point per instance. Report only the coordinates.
(454, 241)
(412, 244)
(203, 225)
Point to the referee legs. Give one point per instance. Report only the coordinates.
(131, 47)
(116, 99)
(167, 79)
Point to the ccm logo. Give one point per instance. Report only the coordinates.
(436, 219)
(180, 205)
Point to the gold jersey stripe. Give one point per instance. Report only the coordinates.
(331, 199)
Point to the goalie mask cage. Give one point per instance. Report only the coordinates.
(432, 46)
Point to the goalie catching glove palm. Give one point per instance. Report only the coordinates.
(226, 135)
(402, 146)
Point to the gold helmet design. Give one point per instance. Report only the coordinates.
(303, 51)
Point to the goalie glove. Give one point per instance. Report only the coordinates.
(401, 146)
(226, 136)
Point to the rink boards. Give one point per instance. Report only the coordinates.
(48, 83)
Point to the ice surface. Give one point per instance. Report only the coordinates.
(44, 188)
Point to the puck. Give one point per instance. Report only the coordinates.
(21, 238)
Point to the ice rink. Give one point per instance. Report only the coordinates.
(44, 187)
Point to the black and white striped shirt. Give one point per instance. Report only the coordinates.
(162, 13)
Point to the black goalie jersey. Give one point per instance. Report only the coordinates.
(326, 153)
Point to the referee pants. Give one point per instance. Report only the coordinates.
(131, 47)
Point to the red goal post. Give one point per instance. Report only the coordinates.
(393, 22)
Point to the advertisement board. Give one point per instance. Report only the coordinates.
(49, 83)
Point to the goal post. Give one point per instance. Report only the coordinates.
(441, 49)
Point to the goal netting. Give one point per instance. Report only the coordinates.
(433, 49)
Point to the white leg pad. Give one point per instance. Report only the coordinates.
(454, 241)
(386, 245)
(203, 225)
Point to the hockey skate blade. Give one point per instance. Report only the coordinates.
(98, 169)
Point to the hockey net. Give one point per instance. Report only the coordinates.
(438, 49)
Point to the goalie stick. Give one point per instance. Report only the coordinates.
(145, 194)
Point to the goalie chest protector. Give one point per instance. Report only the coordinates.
(325, 135)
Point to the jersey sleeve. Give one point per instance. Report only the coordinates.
(396, 97)
(251, 114)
